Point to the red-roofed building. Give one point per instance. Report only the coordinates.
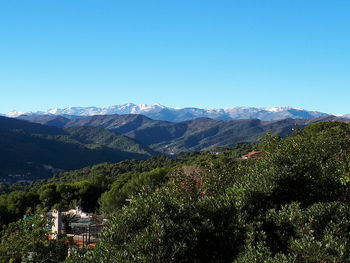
(252, 155)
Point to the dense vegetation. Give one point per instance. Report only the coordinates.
(194, 135)
(80, 187)
(31, 151)
(290, 205)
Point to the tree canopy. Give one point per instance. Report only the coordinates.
(291, 204)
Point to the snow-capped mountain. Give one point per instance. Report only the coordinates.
(160, 112)
(346, 116)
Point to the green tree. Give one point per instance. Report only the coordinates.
(28, 240)
(129, 185)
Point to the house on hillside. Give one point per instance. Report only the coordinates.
(252, 155)
(82, 227)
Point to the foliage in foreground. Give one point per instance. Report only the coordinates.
(28, 240)
(291, 205)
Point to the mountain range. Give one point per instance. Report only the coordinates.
(30, 151)
(160, 112)
(35, 146)
(173, 137)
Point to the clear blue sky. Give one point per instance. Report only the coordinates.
(217, 53)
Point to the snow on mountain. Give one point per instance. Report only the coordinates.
(14, 113)
(346, 116)
(160, 112)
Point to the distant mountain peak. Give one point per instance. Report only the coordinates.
(15, 113)
(158, 111)
(281, 108)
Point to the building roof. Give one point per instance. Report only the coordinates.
(253, 154)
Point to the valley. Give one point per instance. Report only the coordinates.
(37, 146)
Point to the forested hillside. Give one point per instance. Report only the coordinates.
(175, 137)
(30, 151)
(290, 204)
